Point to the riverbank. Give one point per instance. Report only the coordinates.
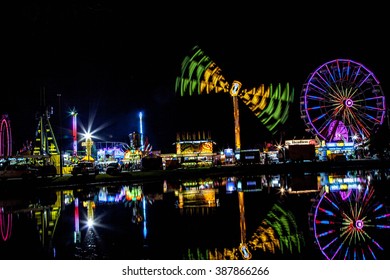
(180, 174)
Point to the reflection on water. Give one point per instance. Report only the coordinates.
(348, 219)
(294, 216)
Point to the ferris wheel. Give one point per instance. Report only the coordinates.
(347, 224)
(342, 100)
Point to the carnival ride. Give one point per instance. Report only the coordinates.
(201, 75)
(277, 233)
(45, 143)
(74, 114)
(43, 152)
(5, 137)
(342, 100)
(346, 220)
(5, 224)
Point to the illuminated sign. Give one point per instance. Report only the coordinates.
(300, 142)
(196, 147)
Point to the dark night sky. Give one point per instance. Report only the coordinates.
(114, 61)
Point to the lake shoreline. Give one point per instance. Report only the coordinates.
(193, 173)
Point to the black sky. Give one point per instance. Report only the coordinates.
(116, 60)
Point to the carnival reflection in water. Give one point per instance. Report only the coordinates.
(295, 216)
(348, 218)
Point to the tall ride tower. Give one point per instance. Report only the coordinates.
(45, 142)
(73, 113)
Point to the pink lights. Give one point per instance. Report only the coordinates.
(73, 113)
(5, 137)
(359, 224)
(5, 224)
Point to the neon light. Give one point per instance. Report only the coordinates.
(349, 233)
(353, 97)
(76, 215)
(199, 74)
(141, 130)
(5, 137)
(359, 224)
(5, 226)
(74, 132)
(145, 229)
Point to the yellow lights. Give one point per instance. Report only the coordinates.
(246, 255)
(200, 75)
(88, 147)
(133, 194)
(197, 198)
(235, 89)
(90, 205)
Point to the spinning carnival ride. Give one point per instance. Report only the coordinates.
(347, 224)
(200, 75)
(5, 137)
(5, 151)
(342, 100)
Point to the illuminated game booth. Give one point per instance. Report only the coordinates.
(194, 150)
